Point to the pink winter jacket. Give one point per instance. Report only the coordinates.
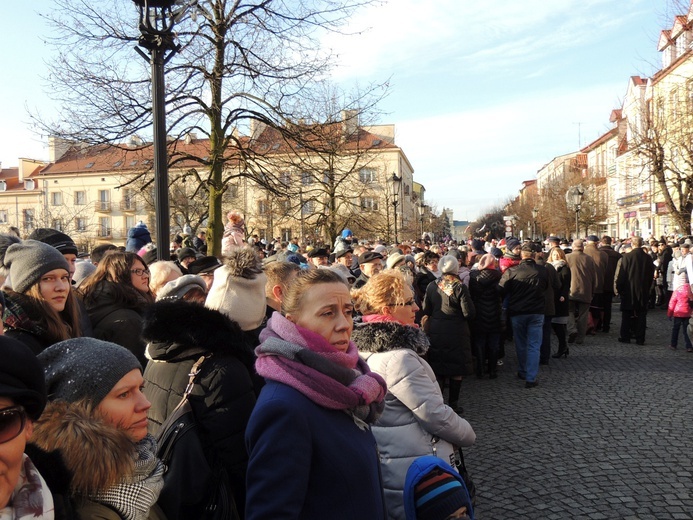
(679, 306)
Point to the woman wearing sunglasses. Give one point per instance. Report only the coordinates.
(415, 421)
(116, 295)
(23, 491)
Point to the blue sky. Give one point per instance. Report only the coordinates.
(482, 93)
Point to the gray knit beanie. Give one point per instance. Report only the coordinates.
(176, 289)
(85, 368)
(449, 265)
(28, 260)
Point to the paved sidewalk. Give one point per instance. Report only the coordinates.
(607, 434)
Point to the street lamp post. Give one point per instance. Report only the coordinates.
(395, 184)
(156, 28)
(422, 210)
(573, 198)
(535, 213)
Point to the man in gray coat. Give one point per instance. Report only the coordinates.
(583, 280)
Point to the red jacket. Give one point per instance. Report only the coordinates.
(679, 306)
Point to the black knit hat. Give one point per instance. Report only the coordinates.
(85, 368)
(186, 252)
(21, 377)
(55, 238)
(28, 261)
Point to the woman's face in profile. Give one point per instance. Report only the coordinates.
(327, 309)
(11, 450)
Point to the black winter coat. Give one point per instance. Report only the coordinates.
(563, 272)
(449, 308)
(485, 293)
(177, 334)
(634, 278)
(613, 258)
(525, 285)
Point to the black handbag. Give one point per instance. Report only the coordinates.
(462, 469)
(193, 488)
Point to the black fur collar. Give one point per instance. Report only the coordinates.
(387, 336)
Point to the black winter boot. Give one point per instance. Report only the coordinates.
(454, 395)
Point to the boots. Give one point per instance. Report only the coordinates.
(454, 395)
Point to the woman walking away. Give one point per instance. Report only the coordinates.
(680, 309)
(449, 308)
(41, 308)
(415, 421)
(312, 453)
(559, 323)
(116, 296)
(485, 293)
(97, 419)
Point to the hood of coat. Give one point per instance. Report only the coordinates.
(387, 336)
(177, 330)
(97, 454)
(486, 277)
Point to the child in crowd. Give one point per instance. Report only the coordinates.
(680, 310)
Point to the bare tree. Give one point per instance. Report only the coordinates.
(238, 61)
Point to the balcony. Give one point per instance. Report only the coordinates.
(128, 205)
(105, 232)
(103, 206)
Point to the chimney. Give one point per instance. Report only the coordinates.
(350, 122)
(57, 147)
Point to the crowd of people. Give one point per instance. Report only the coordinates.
(324, 380)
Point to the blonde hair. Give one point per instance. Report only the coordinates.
(556, 251)
(160, 272)
(381, 291)
(304, 280)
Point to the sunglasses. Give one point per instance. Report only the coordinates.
(12, 422)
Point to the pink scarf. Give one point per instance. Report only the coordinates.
(305, 361)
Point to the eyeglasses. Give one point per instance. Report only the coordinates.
(407, 304)
(12, 422)
(140, 272)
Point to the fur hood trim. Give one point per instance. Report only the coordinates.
(387, 336)
(243, 262)
(97, 454)
(176, 330)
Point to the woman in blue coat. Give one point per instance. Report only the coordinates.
(311, 451)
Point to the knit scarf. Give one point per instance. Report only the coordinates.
(31, 498)
(305, 361)
(134, 496)
(383, 318)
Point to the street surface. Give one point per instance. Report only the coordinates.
(607, 434)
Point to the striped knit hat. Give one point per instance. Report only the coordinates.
(437, 495)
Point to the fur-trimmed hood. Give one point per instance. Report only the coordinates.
(177, 330)
(386, 336)
(97, 454)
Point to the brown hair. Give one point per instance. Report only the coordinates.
(59, 325)
(115, 267)
(381, 291)
(293, 298)
(279, 273)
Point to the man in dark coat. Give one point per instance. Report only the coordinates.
(612, 261)
(525, 285)
(634, 277)
(600, 261)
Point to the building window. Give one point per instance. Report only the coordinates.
(104, 227)
(57, 224)
(28, 219)
(406, 189)
(285, 206)
(232, 191)
(81, 224)
(262, 233)
(128, 199)
(307, 178)
(285, 178)
(104, 200)
(262, 207)
(80, 198)
(129, 222)
(369, 204)
(308, 207)
(367, 175)
(56, 198)
(3, 216)
(286, 234)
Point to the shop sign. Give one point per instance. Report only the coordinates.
(632, 199)
(630, 214)
(661, 208)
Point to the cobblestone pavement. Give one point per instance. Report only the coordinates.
(607, 434)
